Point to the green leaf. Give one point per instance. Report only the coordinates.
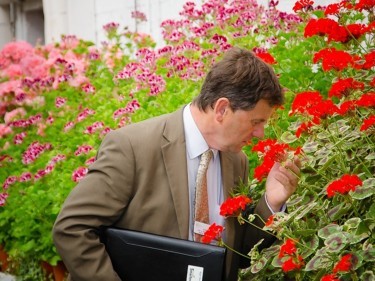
(367, 276)
(309, 147)
(338, 211)
(259, 265)
(304, 232)
(278, 262)
(306, 210)
(366, 190)
(370, 156)
(320, 260)
(288, 137)
(311, 246)
(328, 230)
(336, 242)
(352, 223)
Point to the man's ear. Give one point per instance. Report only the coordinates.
(221, 108)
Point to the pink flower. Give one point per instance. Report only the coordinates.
(83, 149)
(26, 176)
(94, 127)
(88, 88)
(33, 152)
(3, 197)
(84, 114)
(68, 126)
(90, 161)
(9, 181)
(40, 174)
(57, 158)
(60, 102)
(111, 27)
(79, 174)
(18, 139)
(4, 130)
(138, 16)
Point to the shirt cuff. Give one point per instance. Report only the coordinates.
(283, 208)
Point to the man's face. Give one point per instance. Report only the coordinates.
(238, 128)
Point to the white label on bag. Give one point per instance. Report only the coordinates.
(200, 227)
(194, 273)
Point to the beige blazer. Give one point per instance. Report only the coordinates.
(139, 182)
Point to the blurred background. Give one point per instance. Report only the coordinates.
(44, 21)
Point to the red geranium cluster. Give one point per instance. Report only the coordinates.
(334, 31)
(345, 264)
(312, 104)
(343, 185)
(232, 206)
(303, 5)
(333, 59)
(367, 123)
(266, 57)
(342, 87)
(272, 152)
(294, 261)
(212, 233)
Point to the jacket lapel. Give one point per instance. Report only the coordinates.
(228, 183)
(174, 157)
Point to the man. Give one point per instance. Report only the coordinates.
(144, 175)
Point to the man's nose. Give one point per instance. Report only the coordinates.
(259, 132)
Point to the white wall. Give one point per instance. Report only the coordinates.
(5, 28)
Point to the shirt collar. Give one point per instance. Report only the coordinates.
(195, 143)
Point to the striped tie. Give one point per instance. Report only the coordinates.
(201, 198)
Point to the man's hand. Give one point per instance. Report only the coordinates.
(281, 182)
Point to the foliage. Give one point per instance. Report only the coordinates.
(328, 232)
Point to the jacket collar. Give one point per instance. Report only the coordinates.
(174, 155)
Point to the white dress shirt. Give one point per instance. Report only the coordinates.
(195, 146)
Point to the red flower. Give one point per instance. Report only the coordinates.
(232, 206)
(332, 9)
(266, 57)
(313, 104)
(302, 4)
(356, 29)
(345, 264)
(333, 59)
(270, 221)
(343, 185)
(288, 248)
(369, 60)
(372, 82)
(262, 170)
(304, 127)
(292, 264)
(367, 123)
(272, 152)
(323, 26)
(329, 277)
(213, 232)
(342, 86)
(305, 100)
(347, 106)
(365, 4)
(367, 100)
(339, 34)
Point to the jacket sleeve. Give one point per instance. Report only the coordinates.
(252, 234)
(98, 200)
